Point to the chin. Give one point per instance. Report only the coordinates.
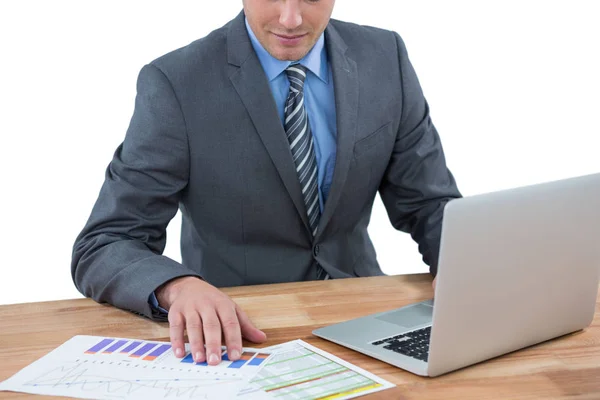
(288, 55)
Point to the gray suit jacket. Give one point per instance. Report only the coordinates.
(205, 136)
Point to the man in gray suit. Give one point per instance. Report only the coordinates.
(272, 134)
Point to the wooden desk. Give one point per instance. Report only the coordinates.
(568, 367)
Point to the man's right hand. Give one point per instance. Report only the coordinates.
(206, 314)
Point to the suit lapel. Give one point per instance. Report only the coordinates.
(253, 88)
(345, 81)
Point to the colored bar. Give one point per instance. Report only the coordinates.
(102, 344)
(159, 350)
(189, 359)
(143, 350)
(259, 359)
(237, 364)
(247, 355)
(115, 347)
(131, 347)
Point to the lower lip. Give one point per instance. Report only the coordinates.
(289, 41)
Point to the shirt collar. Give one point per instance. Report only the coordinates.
(315, 60)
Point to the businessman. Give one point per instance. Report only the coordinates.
(272, 134)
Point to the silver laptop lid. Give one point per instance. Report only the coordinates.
(535, 255)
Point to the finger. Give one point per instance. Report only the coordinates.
(231, 330)
(249, 331)
(212, 335)
(193, 324)
(176, 326)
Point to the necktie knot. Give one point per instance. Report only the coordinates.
(296, 73)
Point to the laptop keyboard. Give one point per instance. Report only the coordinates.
(414, 344)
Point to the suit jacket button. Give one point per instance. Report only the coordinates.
(316, 250)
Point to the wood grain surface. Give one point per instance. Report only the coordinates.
(564, 368)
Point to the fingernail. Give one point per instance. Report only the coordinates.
(213, 358)
(235, 354)
(198, 356)
(178, 353)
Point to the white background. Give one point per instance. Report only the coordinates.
(513, 88)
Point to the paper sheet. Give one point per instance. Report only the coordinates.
(118, 368)
(299, 371)
(93, 367)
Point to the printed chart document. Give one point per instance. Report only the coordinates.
(93, 367)
(296, 370)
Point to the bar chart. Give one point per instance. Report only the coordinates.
(159, 352)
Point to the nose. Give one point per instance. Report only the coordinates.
(291, 16)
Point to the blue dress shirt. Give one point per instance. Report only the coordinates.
(319, 101)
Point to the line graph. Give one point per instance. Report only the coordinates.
(84, 378)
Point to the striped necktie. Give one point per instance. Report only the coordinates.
(300, 138)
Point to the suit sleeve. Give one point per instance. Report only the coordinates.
(117, 258)
(417, 183)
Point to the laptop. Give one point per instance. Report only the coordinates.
(516, 267)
